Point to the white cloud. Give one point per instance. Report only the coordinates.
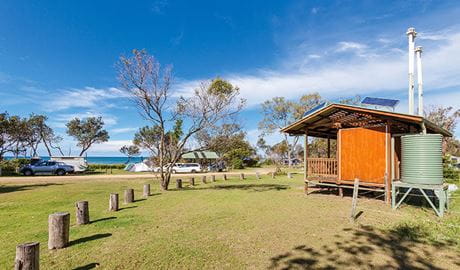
(88, 97)
(60, 120)
(112, 146)
(123, 130)
(349, 46)
(385, 72)
(314, 56)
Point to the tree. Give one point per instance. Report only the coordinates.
(447, 118)
(279, 112)
(130, 151)
(150, 87)
(87, 132)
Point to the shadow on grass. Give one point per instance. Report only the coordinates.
(15, 188)
(364, 249)
(248, 187)
(89, 238)
(87, 267)
(139, 200)
(128, 207)
(102, 219)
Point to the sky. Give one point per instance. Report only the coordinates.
(58, 57)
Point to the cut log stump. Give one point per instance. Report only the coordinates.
(242, 176)
(224, 177)
(192, 181)
(178, 183)
(213, 178)
(146, 191)
(113, 202)
(129, 195)
(27, 256)
(82, 212)
(203, 179)
(58, 230)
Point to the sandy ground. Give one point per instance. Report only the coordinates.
(86, 177)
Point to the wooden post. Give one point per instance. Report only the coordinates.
(113, 202)
(129, 195)
(192, 181)
(387, 190)
(27, 256)
(328, 147)
(305, 156)
(213, 178)
(273, 175)
(355, 199)
(257, 175)
(224, 177)
(146, 191)
(58, 230)
(82, 212)
(203, 179)
(178, 183)
(341, 192)
(242, 176)
(306, 188)
(289, 175)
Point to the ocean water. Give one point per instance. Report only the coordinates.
(105, 160)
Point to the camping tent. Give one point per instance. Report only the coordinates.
(137, 167)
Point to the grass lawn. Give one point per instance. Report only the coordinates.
(237, 224)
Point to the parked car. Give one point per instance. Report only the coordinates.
(47, 167)
(217, 167)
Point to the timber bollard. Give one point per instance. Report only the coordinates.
(58, 230)
(129, 195)
(257, 175)
(213, 178)
(27, 256)
(82, 212)
(273, 175)
(178, 183)
(289, 175)
(354, 201)
(203, 179)
(113, 202)
(146, 192)
(192, 181)
(242, 176)
(224, 177)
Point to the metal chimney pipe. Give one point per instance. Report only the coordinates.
(418, 53)
(411, 34)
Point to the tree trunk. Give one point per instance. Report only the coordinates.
(146, 192)
(58, 230)
(27, 256)
(113, 202)
(82, 212)
(129, 196)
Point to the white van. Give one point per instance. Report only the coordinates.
(186, 168)
(79, 163)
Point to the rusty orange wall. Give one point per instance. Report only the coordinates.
(362, 154)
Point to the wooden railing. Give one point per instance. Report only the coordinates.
(322, 167)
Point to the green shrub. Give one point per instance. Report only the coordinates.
(237, 163)
(12, 166)
(450, 172)
(93, 167)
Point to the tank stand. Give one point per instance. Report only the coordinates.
(440, 192)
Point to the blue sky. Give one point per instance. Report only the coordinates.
(57, 57)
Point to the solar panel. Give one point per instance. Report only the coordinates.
(380, 101)
(314, 109)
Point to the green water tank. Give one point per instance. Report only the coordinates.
(421, 161)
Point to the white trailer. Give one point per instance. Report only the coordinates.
(79, 163)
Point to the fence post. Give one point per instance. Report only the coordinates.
(213, 178)
(82, 212)
(192, 181)
(257, 175)
(113, 202)
(203, 179)
(129, 195)
(27, 256)
(273, 175)
(242, 176)
(58, 230)
(355, 199)
(146, 192)
(289, 175)
(224, 177)
(178, 183)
